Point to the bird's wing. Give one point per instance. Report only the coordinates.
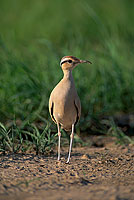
(51, 106)
(78, 108)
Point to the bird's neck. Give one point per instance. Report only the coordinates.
(68, 75)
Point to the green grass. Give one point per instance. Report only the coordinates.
(121, 137)
(27, 139)
(34, 35)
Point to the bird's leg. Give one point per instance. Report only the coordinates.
(71, 141)
(59, 134)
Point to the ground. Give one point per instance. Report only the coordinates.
(94, 173)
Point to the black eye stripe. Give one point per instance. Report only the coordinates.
(70, 61)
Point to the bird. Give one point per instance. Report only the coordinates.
(64, 102)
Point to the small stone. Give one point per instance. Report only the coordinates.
(84, 157)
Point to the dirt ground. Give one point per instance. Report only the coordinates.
(94, 173)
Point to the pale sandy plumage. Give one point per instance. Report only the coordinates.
(64, 103)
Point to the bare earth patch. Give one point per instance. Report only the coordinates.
(93, 173)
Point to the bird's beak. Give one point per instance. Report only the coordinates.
(85, 61)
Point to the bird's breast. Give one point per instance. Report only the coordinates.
(64, 108)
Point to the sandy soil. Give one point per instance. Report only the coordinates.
(94, 173)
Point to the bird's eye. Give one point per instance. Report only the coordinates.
(70, 61)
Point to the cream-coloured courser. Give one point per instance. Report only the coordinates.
(64, 103)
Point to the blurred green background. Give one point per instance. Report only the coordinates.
(35, 35)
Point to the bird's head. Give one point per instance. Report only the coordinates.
(70, 62)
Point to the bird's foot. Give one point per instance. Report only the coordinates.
(58, 159)
(67, 162)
